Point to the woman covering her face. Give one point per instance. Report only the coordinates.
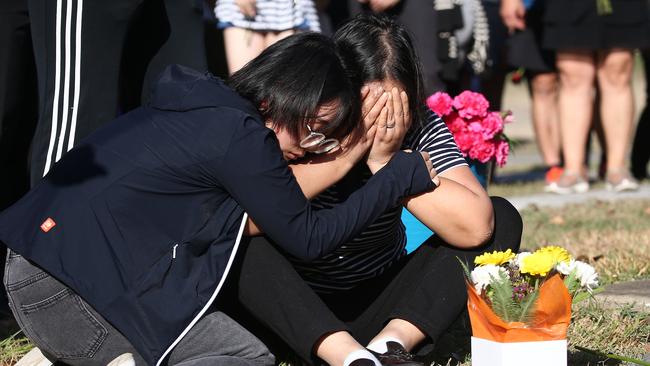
(125, 245)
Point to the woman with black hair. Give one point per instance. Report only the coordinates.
(393, 302)
(124, 246)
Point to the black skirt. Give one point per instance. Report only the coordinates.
(576, 25)
(525, 47)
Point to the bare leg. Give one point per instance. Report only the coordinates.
(577, 74)
(335, 347)
(409, 335)
(545, 116)
(617, 104)
(272, 37)
(242, 45)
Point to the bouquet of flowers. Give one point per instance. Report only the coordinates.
(521, 303)
(477, 130)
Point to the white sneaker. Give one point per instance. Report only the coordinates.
(625, 182)
(125, 359)
(568, 183)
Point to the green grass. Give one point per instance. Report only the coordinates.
(13, 348)
(613, 236)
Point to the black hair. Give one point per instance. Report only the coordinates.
(292, 78)
(376, 47)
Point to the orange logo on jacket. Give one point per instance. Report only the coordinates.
(48, 224)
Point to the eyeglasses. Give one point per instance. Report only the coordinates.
(317, 143)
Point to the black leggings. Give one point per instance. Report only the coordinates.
(425, 288)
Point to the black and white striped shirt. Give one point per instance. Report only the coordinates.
(272, 15)
(383, 242)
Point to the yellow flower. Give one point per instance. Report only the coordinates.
(496, 258)
(559, 254)
(539, 263)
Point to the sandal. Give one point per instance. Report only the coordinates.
(620, 180)
(569, 182)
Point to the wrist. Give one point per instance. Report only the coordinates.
(375, 166)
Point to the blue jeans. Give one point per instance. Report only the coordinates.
(68, 330)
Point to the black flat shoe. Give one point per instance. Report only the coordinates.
(396, 355)
(363, 362)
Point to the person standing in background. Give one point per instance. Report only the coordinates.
(594, 42)
(640, 147)
(250, 26)
(524, 23)
(81, 56)
(420, 19)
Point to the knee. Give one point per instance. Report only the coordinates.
(544, 85)
(615, 71)
(574, 77)
(507, 220)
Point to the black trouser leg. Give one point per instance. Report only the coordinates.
(640, 146)
(185, 45)
(273, 292)
(78, 49)
(18, 100)
(18, 115)
(162, 33)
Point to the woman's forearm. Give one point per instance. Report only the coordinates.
(313, 176)
(320, 172)
(459, 210)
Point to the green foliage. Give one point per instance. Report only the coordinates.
(613, 356)
(465, 266)
(501, 297)
(13, 348)
(572, 283)
(582, 296)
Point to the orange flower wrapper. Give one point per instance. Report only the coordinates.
(550, 319)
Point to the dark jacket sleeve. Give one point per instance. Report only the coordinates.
(255, 174)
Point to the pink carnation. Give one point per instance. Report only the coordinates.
(455, 123)
(440, 103)
(466, 140)
(470, 104)
(475, 126)
(492, 125)
(483, 151)
(503, 149)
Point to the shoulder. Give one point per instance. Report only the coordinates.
(427, 130)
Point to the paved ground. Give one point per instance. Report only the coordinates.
(633, 292)
(555, 200)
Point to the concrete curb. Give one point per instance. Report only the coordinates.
(556, 200)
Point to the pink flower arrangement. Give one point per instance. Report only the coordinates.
(477, 130)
